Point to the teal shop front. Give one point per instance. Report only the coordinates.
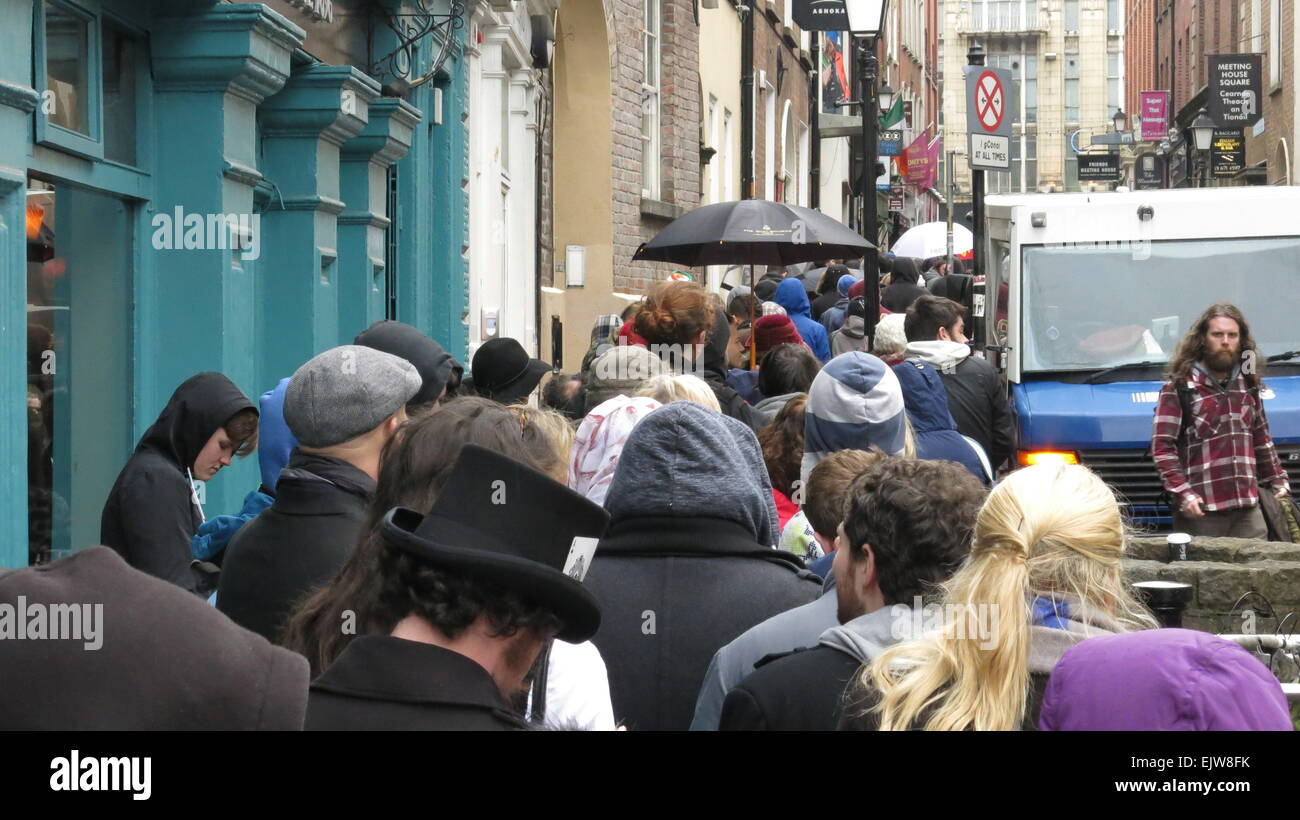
(187, 186)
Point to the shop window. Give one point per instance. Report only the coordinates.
(79, 378)
(87, 70)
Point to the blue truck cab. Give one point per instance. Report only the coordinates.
(1086, 296)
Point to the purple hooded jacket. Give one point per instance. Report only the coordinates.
(1162, 679)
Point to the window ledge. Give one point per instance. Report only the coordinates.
(659, 209)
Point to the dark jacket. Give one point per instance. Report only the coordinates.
(715, 371)
(298, 543)
(803, 690)
(976, 397)
(687, 564)
(823, 303)
(385, 684)
(151, 514)
(933, 427)
(166, 661)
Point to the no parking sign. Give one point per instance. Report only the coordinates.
(989, 115)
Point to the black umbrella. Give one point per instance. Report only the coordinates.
(752, 232)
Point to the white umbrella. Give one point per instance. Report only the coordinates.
(931, 239)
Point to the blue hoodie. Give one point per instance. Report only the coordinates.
(935, 431)
(274, 442)
(791, 296)
(833, 318)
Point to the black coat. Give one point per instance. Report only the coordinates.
(672, 592)
(385, 683)
(296, 544)
(151, 515)
(791, 692)
(166, 661)
(715, 371)
(978, 404)
(825, 302)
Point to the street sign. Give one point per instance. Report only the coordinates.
(989, 116)
(895, 201)
(1148, 172)
(1122, 138)
(1227, 152)
(1236, 90)
(1099, 167)
(890, 142)
(988, 101)
(1154, 107)
(989, 152)
(820, 15)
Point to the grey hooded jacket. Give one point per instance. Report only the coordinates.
(687, 563)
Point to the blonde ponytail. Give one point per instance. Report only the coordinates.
(1049, 530)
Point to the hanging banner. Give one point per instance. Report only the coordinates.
(919, 161)
(1154, 107)
(890, 142)
(1236, 89)
(834, 75)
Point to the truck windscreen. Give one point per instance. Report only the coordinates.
(1087, 307)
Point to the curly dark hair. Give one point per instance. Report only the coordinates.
(451, 602)
(1192, 348)
(918, 517)
(782, 443)
(416, 464)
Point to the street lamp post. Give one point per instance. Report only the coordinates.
(1203, 134)
(975, 57)
(866, 19)
(957, 151)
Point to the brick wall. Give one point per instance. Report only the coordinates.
(679, 120)
(769, 47)
(545, 192)
(1279, 100)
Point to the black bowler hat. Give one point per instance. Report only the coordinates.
(503, 371)
(502, 522)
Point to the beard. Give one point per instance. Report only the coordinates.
(1223, 360)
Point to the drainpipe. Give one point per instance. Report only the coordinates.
(746, 13)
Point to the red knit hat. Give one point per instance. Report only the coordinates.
(770, 331)
(857, 289)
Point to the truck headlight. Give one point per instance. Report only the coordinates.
(1028, 458)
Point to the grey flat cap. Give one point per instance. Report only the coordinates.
(345, 392)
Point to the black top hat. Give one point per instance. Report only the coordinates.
(503, 371)
(502, 522)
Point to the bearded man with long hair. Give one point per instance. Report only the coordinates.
(1210, 437)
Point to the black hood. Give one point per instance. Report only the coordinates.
(198, 407)
(437, 367)
(715, 346)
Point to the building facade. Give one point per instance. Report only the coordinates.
(1066, 57)
(207, 186)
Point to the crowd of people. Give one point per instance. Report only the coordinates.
(734, 516)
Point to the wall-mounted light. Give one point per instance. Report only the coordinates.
(575, 266)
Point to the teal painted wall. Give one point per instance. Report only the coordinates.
(212, 67)
(433, 209)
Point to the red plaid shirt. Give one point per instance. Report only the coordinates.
(1229, 450)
